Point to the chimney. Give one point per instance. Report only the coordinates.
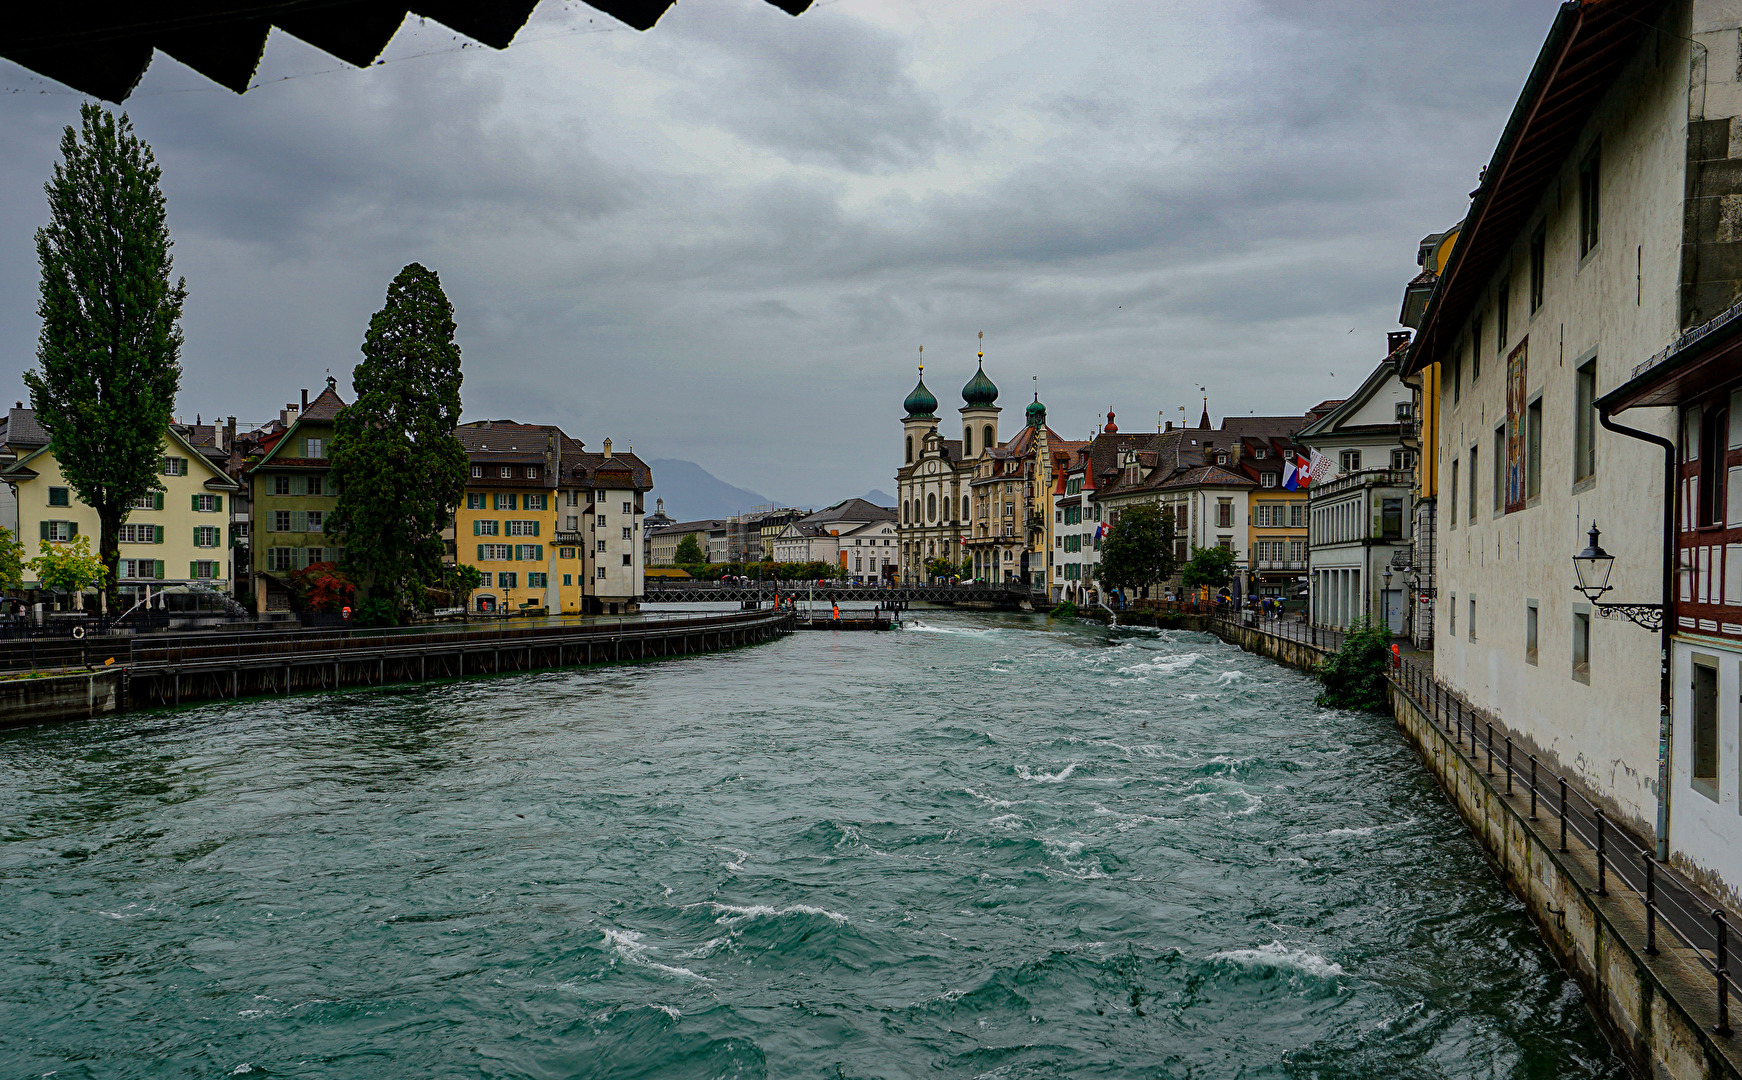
(607, 446)
(1396, 340)
(1169, 426)
(288, 414)
(229, 432)
(305, 399)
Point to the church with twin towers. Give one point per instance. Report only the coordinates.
(977, 502)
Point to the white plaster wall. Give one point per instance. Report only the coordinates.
(1703, 832)
(1605, 731)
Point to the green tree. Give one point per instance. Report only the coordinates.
(110, 342)
(399, 468)
(70, 567)
(1138, 550)
(1354, 676)
(689, 553)
(940, 567)
(11, 561)
(1212, 566)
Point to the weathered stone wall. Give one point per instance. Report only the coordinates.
(59, 697)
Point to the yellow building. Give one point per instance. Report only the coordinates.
(1424, 432)
(508, 522)
(177, 536)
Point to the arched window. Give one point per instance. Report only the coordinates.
(910, 449)
(964, 508)
(986, 437)
(931, 507)
(904, 517)
(967, 442)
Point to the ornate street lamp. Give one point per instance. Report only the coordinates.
(1593, 566)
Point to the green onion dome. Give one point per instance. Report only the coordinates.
(1036, 414)
(920, 404)
(980, 390)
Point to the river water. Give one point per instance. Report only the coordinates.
(992, 846)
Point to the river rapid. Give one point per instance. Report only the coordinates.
(980, 846)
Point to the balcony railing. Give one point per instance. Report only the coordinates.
(1280, 564)
(1362, 479)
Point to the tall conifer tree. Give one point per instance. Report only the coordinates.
(110, 342)
(399, 468)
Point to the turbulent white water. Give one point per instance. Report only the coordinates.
(982, 846)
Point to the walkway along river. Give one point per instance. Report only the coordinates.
(979, 846)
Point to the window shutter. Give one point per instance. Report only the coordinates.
(511, 500)
(299, 521)
(193, 570)
(157, 534)
(157, 500)
(44, 525)
(538, 552)
(196, 501)
(158, 567)
(535, 528)
(299, 485)
(477, 528)
(196, 536)
(480, 552)
(218, 503)
(72, 529)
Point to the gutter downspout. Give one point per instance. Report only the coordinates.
(1670, 488)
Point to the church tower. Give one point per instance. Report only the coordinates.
(979, 411)
(922, 410)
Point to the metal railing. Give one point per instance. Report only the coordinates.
(1623, 860)
(1665, 896)
(1288, 627)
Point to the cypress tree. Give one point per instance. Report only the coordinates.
(399, 468)
(110, 343)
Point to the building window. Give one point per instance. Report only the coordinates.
(208, 504)
(1538, 266)
(565, 553)
(1714, 430)
(144, 502)
(1391, 519)
(1402, 460)
(1476, 351)
(931, 507)
(206, 536)
(568, 580)
(315, 448)
(485, 527)
(601, 546)
(504, 500)
(910, 449)
(1475, 474)
(628, 509)
(316, 485)
(203, 569)
(601, 572)
(1456, 363)
(1499, 455)
(281, 485)
(139, 534)
(1471, 629)
(508, 579)
(1530, 628)
(1452, 614)
(1351, 461)
(505, 472)
(478, 472)
(1224, 513)
(175, 466)
(536, 502)
(521, 528)
(1704, 715)
(59, 496)
(1502, 316)
(281, 521)
(493, 553)
(537, 581)
(279, 558)
(1405, 411)
(475, 501)
(1585, 421)
(626, 535)
(1582, 646)
(531, 474)
(626, 561)
(1267, 479)
(487, 580)
(313, 521)
(529, 552)
(986, 439)
(1533, 449)
(1590, 199)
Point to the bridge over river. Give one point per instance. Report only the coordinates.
(1012, 595)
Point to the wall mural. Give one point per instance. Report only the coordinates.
(1517, 374)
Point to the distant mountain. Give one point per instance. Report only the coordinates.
(880, 497)
(692, 492)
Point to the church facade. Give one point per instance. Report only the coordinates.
(972, 500)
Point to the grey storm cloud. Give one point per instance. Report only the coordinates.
(724, 239)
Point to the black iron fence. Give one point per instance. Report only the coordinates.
(1626, 865)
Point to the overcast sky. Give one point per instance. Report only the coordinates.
(725, 239)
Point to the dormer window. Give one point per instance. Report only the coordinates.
(505, 471)
(1221, 459)
(532, 472)
(1260, 452)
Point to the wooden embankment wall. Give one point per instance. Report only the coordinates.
(191, 670)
